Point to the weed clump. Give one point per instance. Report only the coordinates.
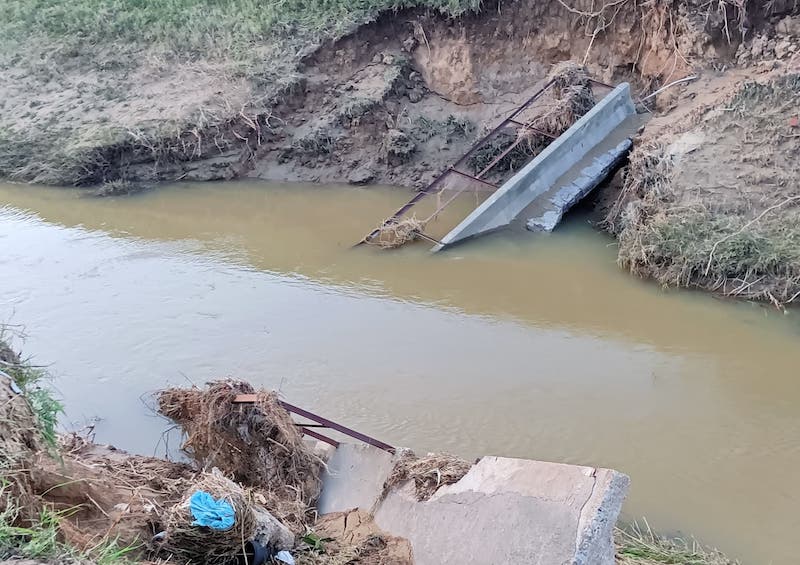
(451, 128)
(640, 546)
(429, 473)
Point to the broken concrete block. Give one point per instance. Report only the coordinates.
(354, 478)
(270, 532)
(511, 511)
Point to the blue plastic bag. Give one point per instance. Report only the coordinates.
(214, 514)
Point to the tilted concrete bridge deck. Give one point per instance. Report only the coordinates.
(555, 168)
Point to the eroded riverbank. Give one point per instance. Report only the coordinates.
(525, 347)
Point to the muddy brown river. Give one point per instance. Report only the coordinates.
(519, 345)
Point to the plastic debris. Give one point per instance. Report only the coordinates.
(211, 513)
(285, 557)
(14, 388)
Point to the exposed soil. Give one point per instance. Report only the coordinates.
(394, 102)
(110, 494)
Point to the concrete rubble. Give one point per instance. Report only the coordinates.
(503, 510)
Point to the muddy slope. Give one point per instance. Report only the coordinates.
(398, 100)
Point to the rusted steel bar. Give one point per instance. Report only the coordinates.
(250, 398)
(497, 159)
(598, 83)
(533, 129)
(474, 178)
(319, 436)
(428, 238)
(531, 99)
(502, 124)
(338, 427)
(430, 188)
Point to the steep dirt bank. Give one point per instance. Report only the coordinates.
(393, 102)
(711, 198)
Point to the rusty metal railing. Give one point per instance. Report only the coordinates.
(321, 422)
(433, 187)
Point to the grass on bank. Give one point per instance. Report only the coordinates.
(31, 380)
(637, 545)
(747, 245)
(40, 539)
(200, 26)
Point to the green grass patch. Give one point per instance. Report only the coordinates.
(199, 26)
(32, 381)
(40, 538)
(640, 546)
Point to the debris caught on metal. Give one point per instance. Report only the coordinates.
(523, 127)
(320, 423)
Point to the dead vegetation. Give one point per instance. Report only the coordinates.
(733, 231)
(94, 504)
(429, 473)
(563, 104)
(205, 545)
(256, 444)
(396, 233)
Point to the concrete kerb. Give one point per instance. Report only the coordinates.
(538, 176)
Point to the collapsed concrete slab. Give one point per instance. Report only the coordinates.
(544, 171)
(502, 511)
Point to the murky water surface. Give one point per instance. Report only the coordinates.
(530, 346)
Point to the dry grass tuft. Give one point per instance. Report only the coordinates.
(736, 231)
(393, 234)
(429, 473)
(571, 98)
(565, 102)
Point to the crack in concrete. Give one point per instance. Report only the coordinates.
(583, 506)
